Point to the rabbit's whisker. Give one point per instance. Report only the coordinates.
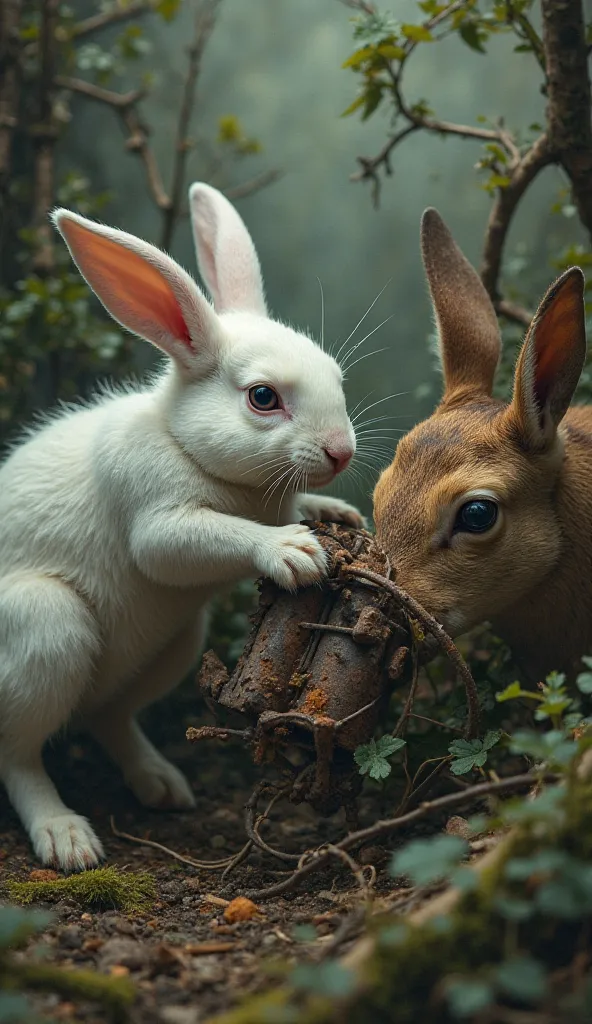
(277, 463)
(377, 419)
(366, 355)
(322, 314)
(292, 480)
(354, 348)
(361, 321)
(397, 394)
(276, 483)
(358, 404)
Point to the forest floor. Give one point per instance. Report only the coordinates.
(187, 962)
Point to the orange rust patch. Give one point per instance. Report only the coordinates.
(315, 702)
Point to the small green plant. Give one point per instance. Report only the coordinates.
(552, 698)
(470, 754)
(132, 892)
(372, 758)
(427, 860)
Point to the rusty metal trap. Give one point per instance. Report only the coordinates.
(317, 672)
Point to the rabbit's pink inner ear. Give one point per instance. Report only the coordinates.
(130, 288)
(559, 342)
(551, 361)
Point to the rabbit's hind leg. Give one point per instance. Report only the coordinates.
(49, 640)
(154, 780)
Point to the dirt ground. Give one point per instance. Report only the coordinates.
(178, 980)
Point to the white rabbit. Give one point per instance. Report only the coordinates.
(119, 521)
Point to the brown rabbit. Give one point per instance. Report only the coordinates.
(486, 510)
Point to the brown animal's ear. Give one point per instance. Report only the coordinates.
(551, 361)
(469, 333)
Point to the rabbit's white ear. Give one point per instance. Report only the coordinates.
(226, 255)
(143, 289)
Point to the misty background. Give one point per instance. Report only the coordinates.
(276, 65)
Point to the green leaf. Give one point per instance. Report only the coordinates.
(372, 98)
(417, 33)
(547, 805)
(371, 758)
(471, 753)
(465, 879)
(497, 181)
(520, 869)
(388, 745)
(552, 747)
(326, 979)
(359, 57)
(555, 681)
(14, 1009)
(491, 737)
(522, 978)
(431, 7)
(17, 924)
(355, 105)
(584, 682)
(512, 691)
(304, 933)
(390, 51)
(168, 9)
(393, 935)
(462, 765)
(425, 860)
(473, 36)
(466, 998)
(514, 909)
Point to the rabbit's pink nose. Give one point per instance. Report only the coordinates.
(340, 457)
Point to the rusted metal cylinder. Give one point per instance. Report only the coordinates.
(321, 655)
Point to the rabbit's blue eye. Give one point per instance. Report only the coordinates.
(263, 399)
(476, 516)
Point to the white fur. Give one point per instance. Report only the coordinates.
(120, 521)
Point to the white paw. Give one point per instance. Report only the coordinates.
(296, 559)
(159, 784)
(331, 510)
(66, 842)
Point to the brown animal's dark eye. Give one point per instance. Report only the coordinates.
(263, 399)
(476, 516)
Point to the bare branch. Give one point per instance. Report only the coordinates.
(319, 859)
(513, 312)
(205, 19)
(95, 92)
(122, 12)
(10, 12)
(125, 104)
(45, 133)
(568, 90)
(248, 188)
(522, 175)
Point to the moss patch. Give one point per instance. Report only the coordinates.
(129, 891)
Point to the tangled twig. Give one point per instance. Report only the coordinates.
(207, 865)
(319, 859)
(439, 634)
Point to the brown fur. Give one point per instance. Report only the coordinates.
(531, 575)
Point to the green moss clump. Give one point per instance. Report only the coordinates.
(19, 976)
(132, 892)
(115, 994)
